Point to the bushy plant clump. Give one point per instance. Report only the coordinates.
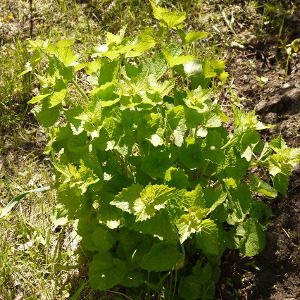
(144, 161)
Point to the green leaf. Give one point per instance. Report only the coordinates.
(194, 36)
(143, 203)
(133, 245)
(46, 114)
(163, 256)
(177, 60)
(158, 226)
(17, 199)
(38, 98)
(168, 18)
(212, 151)
(157, 163)
(110, 216)
(233, 166)
(260, 186)
(280, 163)
(204, 273)
(247, 120)
(177, 178)
(152, 199)
(115, 38)
(261, 212)
(212, 119)
(104, 71)
(213, 198)
(281, 182)
(64, 51)
(78, 178)
(190, 287)
(156, 65)
(278, 144)
(208, 237)
(125, 199)
(133, 277)
(191, 222)
(250, 143)
(102, 239)
(76, 205)
(57, 97)
(241, 201)
(190, 154)
(254, 239)
(106, 272)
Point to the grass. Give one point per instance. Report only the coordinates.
(36, 256)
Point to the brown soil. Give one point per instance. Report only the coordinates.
(274, 273)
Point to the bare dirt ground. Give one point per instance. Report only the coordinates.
(274, 273)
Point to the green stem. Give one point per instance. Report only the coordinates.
(80, 90)
(164, 278)
(175, 282)
(230, 142)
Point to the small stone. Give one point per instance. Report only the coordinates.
(286, 85)
(237, 45)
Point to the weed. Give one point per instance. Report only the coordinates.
(146, 165)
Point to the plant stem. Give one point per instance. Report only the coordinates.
(80, 90)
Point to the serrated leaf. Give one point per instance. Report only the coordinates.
(158, 226)
(105, 271)
(113, 38)
(241, 201)
(191, 222)
(78, 178)
(110, 216)
(177, 60)
(45, 114)
(162, 256)
(250, 143)
(278, 143)
(281, 182)
(157, 66)
(151, 200)
(254, 239)
(208, 237)
(64, 51)
(233, 166)
(279, 164)
(177, 178)
(212, 119)
(102, 239)
(260, 186)
(172, 19)
(213, 198)
(74, 203)
(248, 120)
(125, 199)
(57, 97)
